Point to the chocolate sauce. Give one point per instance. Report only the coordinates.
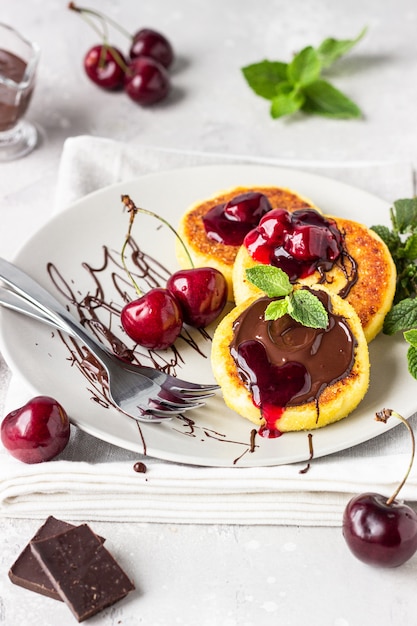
(230, 222)
(284, 363)
(13, 100)
(140, 467)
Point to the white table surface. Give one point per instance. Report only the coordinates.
(218, 575)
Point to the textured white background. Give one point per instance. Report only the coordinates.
(219, 575)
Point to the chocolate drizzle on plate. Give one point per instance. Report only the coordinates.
(310, 458)
(98, 307)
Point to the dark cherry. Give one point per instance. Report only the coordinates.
(201, 293)
(230, 222)
(146, 81)
(37, 431)
(150, 43)
(378, 530)
(379, 533)
(299, 243)
(154, 320)
(104, 66)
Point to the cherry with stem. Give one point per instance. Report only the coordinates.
(146, 42)
(199, 292)
(378, 530)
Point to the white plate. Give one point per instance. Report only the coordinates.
(218, 436)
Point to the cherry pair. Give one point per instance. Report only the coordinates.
(193, 296)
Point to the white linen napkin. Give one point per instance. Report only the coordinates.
(95, 480)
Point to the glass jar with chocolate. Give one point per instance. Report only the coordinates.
(18, 63)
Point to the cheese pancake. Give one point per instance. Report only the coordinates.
(333, 382)
(366, 260)
(204, 250)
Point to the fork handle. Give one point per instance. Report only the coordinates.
(58, 315)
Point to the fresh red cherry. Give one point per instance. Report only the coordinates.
(154, 320)
(150, 43)
(379, 533)
(379, 530)
(146, 81)
(37, 431)
(201, 293)
(104, 66)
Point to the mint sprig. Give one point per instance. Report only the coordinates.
(299, 84)
(301, 304)
(401, 240)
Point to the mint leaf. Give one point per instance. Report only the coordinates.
(265, 76)
(410, 247)
(286, 103)
(331, 49)
(404, 215)
(305, 67)
(303, 306)
(391, 239)
(402, 316)
(412, 361)
(324, 99)
(299, 85)
(269, 279)
(307, 309)
(276, 309)
(411, 337)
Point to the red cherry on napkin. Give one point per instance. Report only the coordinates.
(37, 431)
(378, 530)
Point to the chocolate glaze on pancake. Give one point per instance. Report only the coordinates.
(284, 363)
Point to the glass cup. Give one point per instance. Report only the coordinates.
(18, 62)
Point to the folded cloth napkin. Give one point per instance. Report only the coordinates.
(180, 494)
(95, 480)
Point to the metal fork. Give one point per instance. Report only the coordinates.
(143, 393)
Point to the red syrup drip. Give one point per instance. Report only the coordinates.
(272, 387)
(229, 223)
(299, 243)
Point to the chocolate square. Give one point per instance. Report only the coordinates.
(83, 572)
(26, 570)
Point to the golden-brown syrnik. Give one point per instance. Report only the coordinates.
(206, 251)
(334, 402)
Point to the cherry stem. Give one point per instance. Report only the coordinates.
(382, 416)
(85, 14)
(133, 210)
(101, 16)
(132, 214)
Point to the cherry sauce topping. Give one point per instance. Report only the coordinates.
(230, 222)
(299, 243)
(272, 386)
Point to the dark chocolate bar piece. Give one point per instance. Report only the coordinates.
(26, 570)
(84, 573)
